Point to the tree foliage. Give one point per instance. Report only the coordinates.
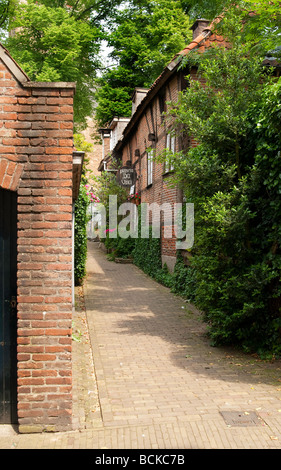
(261, 19)
(106, 185)
(52, 44)
(7, 9)
(59, 41)
(204, 8)
(80, 235)
(233, 178)
(144, 37)
(90, 10)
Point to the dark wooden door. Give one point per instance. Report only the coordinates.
(8, 307)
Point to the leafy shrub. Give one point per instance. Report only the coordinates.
(119, 247)
(147, 254)
(184, 279)
(80, 235)
(163, 276)
(147, 251)
(233, 178)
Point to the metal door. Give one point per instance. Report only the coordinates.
(8, 307)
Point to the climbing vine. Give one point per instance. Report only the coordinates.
(233, 178)
(80, 239)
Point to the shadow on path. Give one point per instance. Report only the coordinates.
(141, 308)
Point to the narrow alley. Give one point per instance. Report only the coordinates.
(146, 377)
(155, 366)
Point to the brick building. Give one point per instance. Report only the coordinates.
(94, 156)
(147, 134)
(39, 181)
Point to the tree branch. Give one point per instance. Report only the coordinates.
(4, 14)
(74, 7)
(79, 17)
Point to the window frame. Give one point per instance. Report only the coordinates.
(150, 166)
(171, 147)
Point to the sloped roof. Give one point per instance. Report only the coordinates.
(23, 78)
(12, 65)
(25, 81)
(202, 42)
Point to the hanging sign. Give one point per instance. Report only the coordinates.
(127, 176)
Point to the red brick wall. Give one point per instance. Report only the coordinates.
(36, 130)
(160, 191)
(95, 155)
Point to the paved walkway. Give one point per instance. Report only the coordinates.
(146, 377)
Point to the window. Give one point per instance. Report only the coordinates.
(170, 149)
(149, 166)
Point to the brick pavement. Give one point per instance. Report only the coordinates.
(146, 377)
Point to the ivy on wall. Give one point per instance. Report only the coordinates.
(80, 238)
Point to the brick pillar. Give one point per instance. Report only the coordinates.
(36, 146)
(45, 259)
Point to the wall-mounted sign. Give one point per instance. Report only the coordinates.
(127, 176)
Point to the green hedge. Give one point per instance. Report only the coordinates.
(184, 279)
(119, 247)
(147, 251)
(80, 235)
